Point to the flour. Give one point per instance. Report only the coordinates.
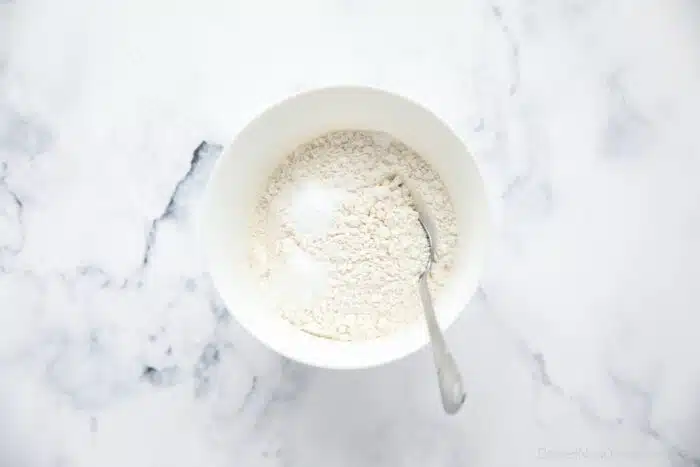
(337, 243)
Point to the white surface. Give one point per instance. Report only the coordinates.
(581, 349)
(243, 169)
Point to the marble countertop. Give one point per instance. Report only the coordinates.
(580, 348)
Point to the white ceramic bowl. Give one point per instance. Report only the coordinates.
(240, 176)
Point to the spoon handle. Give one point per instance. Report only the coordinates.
(449, 379)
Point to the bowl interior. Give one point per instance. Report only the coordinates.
(241, 173)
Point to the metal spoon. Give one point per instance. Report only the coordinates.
(449, 378)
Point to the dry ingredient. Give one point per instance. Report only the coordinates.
(336, 241)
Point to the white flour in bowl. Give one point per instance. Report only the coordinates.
(336, 242)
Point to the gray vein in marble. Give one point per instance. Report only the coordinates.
(528, 195)
(540, 373)
(203, 155)
(94, 424)
(220, 312)
(12, 215)
(79, 371)
(536, 194)
(541, 376)
(642, 420)
(210, 358)
(22, 134)
(97, 274)
(294, 378)
(69, 362)
(514, 49)
(249, 395)
(162, 377)
(626, 126)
